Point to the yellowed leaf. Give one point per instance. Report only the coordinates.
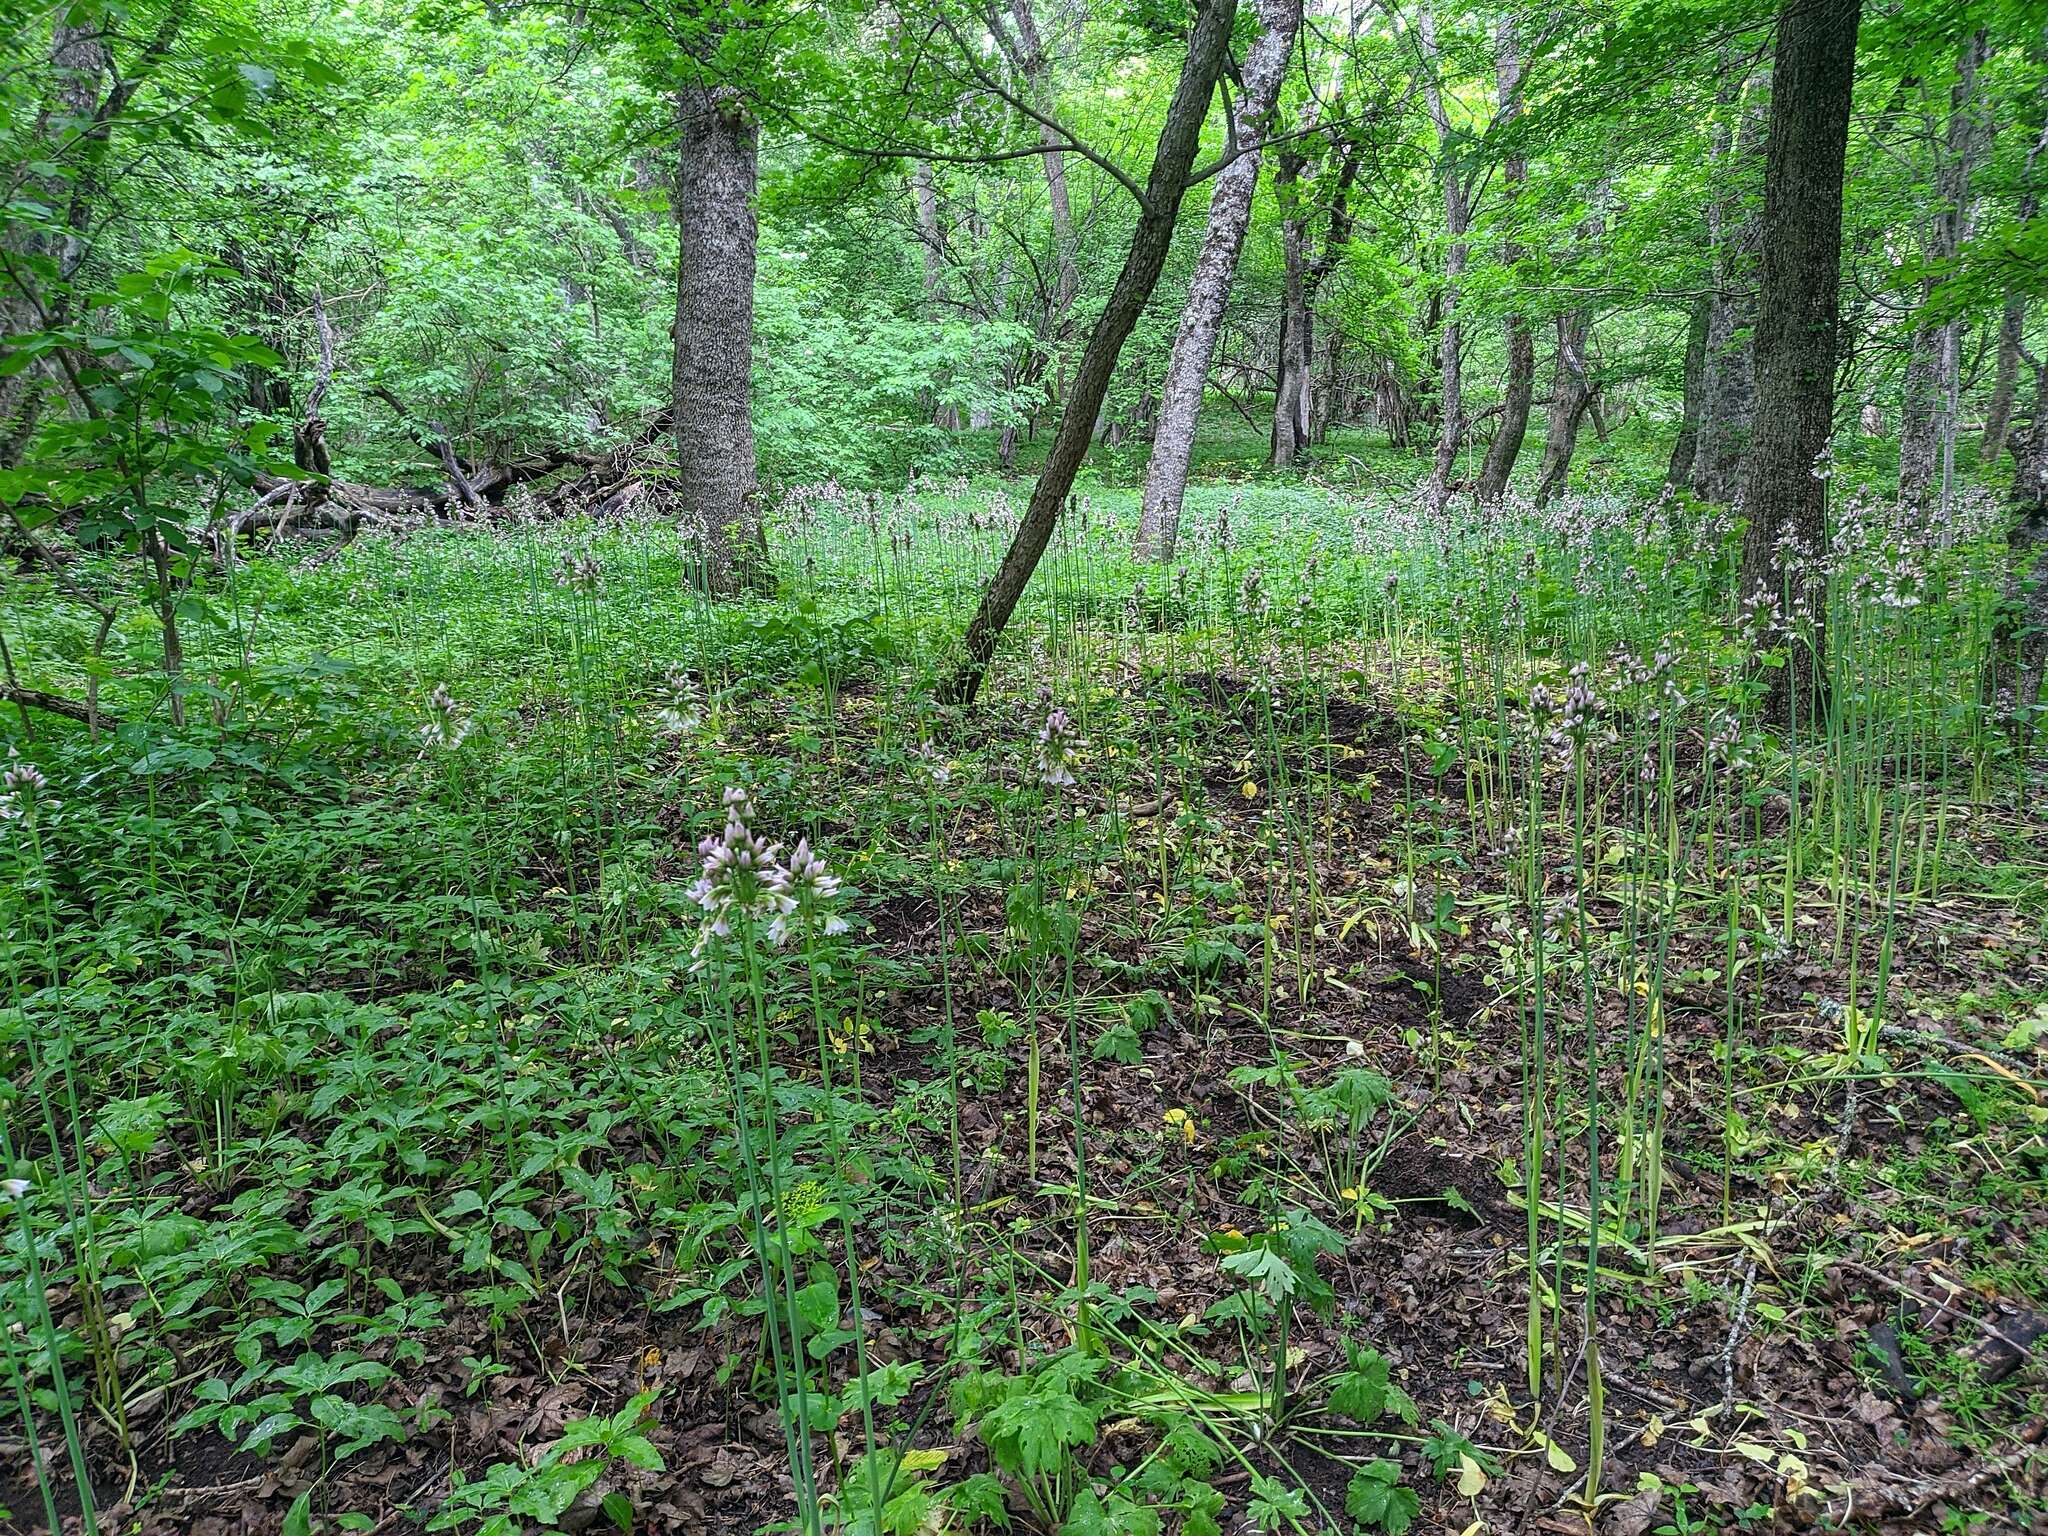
(1471, 1478)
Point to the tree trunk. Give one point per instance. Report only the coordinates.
(931, 239)
(1799, 315)
(1519, 387)
(1028, 56)
(1679, 471)
(1290, 375)
(1457, 221)
(1294, 411)
(1728, 382)
(1571, 392)
(2005, 388)
(714, 336)
(78, 65)
(1194, 343)
(2023, 620)
(2013, 324)
(1172, 159)
(1934, 371)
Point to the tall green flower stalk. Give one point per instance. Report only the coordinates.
(744, 892)
(25, 800)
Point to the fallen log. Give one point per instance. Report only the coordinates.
(55, 704)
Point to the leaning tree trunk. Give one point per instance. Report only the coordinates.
(1799, 314)
(1571, 392)
(1679, 471)
(714, 336)
(1208, 49)
(1457, 221)
(1520, 385)
(1194, 344)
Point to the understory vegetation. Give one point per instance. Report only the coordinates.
(1363, 1030)
(1061, 767)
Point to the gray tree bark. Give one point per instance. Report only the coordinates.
(70, 122)
(1571, 392)
(714, 335)
(1728, 377)
(2005, 387)
(1028, 56)
(931, 240)
(1291, 376)
(1799, 316)
(1679, 471)
(1194, 343)
(1457, 222)
(1519, 387)
(1934, 370)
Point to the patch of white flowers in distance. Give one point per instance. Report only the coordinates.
(678, 705)
(447, 727)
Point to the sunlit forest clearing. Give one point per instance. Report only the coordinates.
(1055, 766)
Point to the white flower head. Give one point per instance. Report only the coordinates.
(12, 1190)
(446, 728)
(805, 889)
(1057, 744)
(23, 789)
(742, 877)
(678, 705)
(931, 765)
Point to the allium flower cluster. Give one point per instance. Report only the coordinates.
(23, 790)
(678, 705)
(579, 571)
(931, 765)
(745, 879)
(1252, 601)
(1058, 743)
(447, 727)
(806, 889)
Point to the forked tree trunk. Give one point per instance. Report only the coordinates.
(1294, 408)
(1172, 159)
(714, 335)
(1799, 313)
(1679, 471)
(1519, 387)
(1028, 55)
(1194, 343)
(932, 240)
(1571, 392)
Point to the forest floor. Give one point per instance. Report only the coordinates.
(423, 1169)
